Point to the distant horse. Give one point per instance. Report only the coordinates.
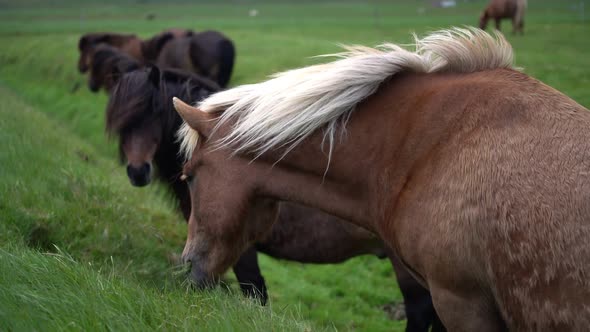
(500, 9)
(208, 53)
(141, 114)
(105, 62)
(129, 44)
(475, 174)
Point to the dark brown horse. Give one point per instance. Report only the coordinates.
(105, 63)
(477, 175)
(208, 53)
(501, 9)
(129, 44)
(141, 114)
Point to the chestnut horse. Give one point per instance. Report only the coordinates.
(129, 44)
(208, 53)
(141, 114)
(500, 9)
(477, 175)
(105, 63)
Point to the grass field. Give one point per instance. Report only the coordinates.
(80, 249)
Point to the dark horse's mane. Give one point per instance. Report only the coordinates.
(92, 39)
(146, 94)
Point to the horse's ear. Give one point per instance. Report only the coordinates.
(154, 76)
(200, 121)
(122, 68)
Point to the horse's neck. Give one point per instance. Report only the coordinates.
(387, 136)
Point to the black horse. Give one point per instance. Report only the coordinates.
(208, 53)
(140, 112)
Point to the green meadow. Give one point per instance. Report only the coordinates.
(81, 249)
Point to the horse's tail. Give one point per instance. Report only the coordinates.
(227, 55)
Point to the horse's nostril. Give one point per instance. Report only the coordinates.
(186, 259)
(146, 168)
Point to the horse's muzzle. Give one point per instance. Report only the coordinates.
(94, 87)
(199, 278)
(139, 176)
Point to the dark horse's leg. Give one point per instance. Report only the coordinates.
(420, 312)
(498, 20)
(248, 274)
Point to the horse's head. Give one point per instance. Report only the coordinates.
(99, 62)
(227, 214)
(84, 48)
(132, 114)
(106, 65)
(86, 45)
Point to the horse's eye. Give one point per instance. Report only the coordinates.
(186, 178)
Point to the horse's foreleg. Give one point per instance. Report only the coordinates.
(248, 274)
(419, 309)
(466, 312)
(515, 25)
(498, 20)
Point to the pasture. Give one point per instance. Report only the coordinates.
(80, 248)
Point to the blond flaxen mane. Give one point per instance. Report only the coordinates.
(281, 112)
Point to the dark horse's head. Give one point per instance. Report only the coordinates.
(106, 63)
(140, 112)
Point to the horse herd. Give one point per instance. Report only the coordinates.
(141, 115)
(470, 176)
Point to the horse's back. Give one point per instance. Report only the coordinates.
(503, 8)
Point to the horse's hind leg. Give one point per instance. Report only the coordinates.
(248, 274)
(419, 309)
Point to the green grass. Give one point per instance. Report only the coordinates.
(61, 186)
(54, 292)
